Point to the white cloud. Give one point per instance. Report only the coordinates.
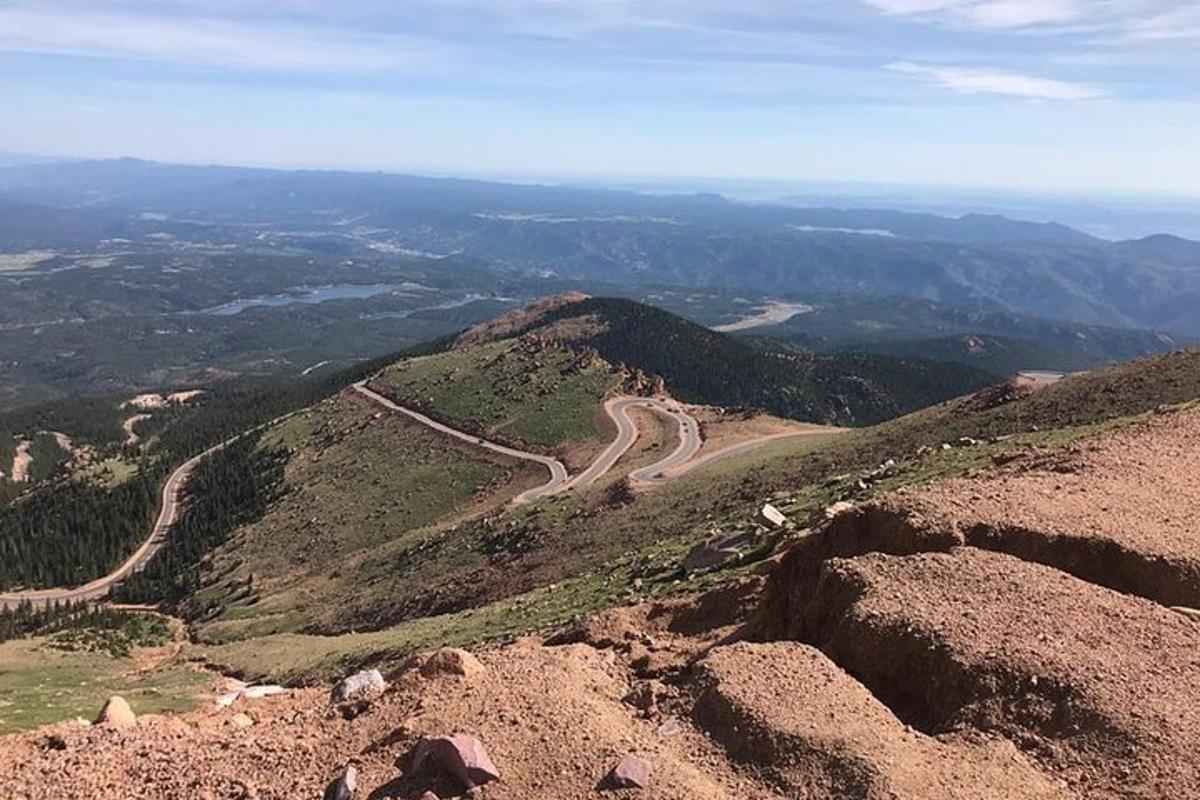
(206, 41)
(1177, 24)
(991, 14)
(979, 81)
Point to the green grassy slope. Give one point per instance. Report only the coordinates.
(512, 390)
(596, 555)
(361, 493)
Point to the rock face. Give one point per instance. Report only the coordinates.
(632, 773)
(461, 756)
(452, 661)
(359, 686)
(117, 714)
(342, 787)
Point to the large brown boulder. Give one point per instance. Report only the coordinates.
(452, 661)
(117, 714)
(461, 756)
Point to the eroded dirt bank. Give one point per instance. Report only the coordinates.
(981, 638)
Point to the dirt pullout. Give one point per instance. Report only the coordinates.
(1101, 688)
(819, 733)
(552, 719)
(1118, 509)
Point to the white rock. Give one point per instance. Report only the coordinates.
(367, 683)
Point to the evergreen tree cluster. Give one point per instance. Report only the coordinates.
(700, 365)
(26, 620)
(70, 533)
(229, 488)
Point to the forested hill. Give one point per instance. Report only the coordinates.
(702, 366)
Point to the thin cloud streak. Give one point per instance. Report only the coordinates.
(279, 46)
(979, 81)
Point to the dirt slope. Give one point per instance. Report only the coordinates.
(1118, 509)
(819, 733)
(1103, 688)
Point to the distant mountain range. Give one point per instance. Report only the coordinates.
(698, 240)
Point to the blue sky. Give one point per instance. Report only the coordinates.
(1031, 94)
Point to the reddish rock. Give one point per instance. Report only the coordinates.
(452, 661)
(632, 773)
(117, 714)
(462, 756)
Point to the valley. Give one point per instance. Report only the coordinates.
(858, 523)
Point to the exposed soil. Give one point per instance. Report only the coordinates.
(22, 461)
(552, 719)
(1119, 509)
(1101, 687)
(819, 733)
(722, 430)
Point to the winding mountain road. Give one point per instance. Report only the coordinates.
(99, 588)
(681, 461)
(627, 433)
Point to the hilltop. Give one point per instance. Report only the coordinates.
(699, 365)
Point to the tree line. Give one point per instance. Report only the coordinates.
(73, 531)
(230, 488)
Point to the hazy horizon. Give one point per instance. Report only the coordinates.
(1031, 95)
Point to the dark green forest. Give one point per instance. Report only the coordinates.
(229, 488)
(68, 532)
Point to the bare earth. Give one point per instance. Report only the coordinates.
(1119, 509)
(1008, 635)
(22, 460)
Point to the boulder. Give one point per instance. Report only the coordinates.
(771, 517)
(461, 756)
(632, 773)
(359, 686)
(342, 787)
(430, 796)
(116, 714)
(241, 720)
(452, 661)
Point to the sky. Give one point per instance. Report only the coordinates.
(1088, 95)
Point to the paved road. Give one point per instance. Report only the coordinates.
(739, 449)
(627, 433)
(558, 471)
(100, 587)
(680, 462)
